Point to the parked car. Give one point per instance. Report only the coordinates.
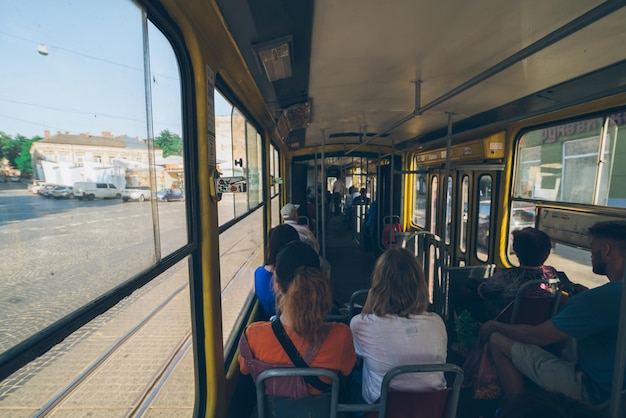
(92, 190)
(137, 193)
(170, 195)
(46, 191)
(62, 192)
(16, 179)
(36, 185)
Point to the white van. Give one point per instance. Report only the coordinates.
(92, 190)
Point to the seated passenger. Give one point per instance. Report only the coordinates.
(263, 275)
(304, 300)
(395, 329)
(289, 212)
(591, 317)
(532, 248)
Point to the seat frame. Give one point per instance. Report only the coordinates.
(296, 371)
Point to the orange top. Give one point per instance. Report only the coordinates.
(336, 353)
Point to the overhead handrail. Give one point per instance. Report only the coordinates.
(564, 31)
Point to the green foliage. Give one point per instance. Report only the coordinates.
(466, 329)
(17, 151)
(171, 143)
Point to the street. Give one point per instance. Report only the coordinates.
(58, 255)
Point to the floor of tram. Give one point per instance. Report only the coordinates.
(351, 265)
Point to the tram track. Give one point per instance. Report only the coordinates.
(153, 384)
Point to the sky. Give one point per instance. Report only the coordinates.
(92, 79)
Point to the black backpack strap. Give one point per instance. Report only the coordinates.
(295, 356)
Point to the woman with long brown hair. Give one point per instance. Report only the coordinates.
(395, 328)
(304, 299)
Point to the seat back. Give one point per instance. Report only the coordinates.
(391, 225)
(357, 300)
(434, 404)
(532, 310)
(314, 406)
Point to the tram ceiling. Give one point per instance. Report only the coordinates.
(357, 63)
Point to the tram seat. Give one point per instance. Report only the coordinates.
(404, 404)
(391, 226)
(463, 284)
(314, 406)
(357, 300)
(532, 310)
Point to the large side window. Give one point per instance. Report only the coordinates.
(90, 125)
(240, 159)
(91, 97)
(574, 162)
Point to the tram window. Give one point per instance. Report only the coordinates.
(448, 210)
(574, 162)
(239, 154)
(239, 257)
(463, 213)
(483, 220)
(88, 125)
(433, 205)
(255, 166)
(274, 171)
(419, 200)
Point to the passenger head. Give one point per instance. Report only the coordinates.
(278, 237)
(531, 246)
(290, 211)
(398, 284)
(304, 290)
(544, 405)
(608, 248)
(363, 191)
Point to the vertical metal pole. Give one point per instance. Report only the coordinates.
(393, 157)
(317, 218)
(147, 80)
(620, 355)
(323, 169)
(445, 185)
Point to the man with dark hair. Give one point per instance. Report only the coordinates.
(590, 317)
(532, 248)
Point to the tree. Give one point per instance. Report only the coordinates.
(9, 148)
(171, 143)
(23, 161)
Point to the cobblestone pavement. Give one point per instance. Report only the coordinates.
(118, 384)
(62, 254)
(67, 253)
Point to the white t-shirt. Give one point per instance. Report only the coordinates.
(390, 341)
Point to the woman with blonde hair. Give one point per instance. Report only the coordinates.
(304, 299)
(395, 329)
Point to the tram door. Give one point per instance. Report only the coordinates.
(389, 197)
(442, 213)
(460, 212)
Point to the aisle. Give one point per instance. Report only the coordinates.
(351, 266)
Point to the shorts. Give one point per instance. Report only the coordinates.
(549, 371)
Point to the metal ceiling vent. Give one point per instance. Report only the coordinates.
(275, 56)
